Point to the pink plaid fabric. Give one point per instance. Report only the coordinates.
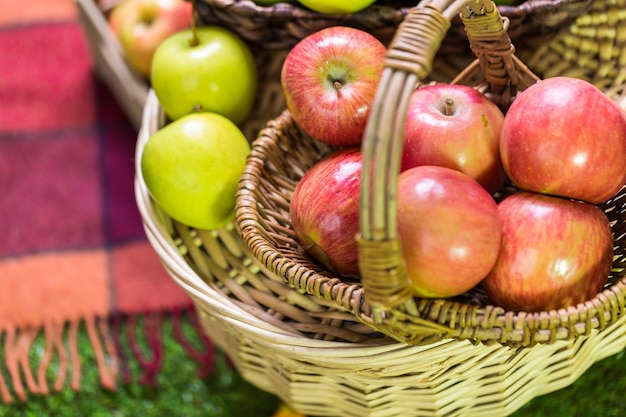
(72, 247)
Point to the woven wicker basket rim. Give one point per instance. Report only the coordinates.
(543, 326)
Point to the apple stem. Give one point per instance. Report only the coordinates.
(447, 110)
(337, 85)
(194, 39)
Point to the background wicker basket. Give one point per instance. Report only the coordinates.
(312, 352)
(283, 24)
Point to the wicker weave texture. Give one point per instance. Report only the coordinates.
(444, 379)
(591, 48)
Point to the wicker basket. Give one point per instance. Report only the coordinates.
(313, 352)
(129, 89)
(318, 360)
(382, 298)
(283, 24)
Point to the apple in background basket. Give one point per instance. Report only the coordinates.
(324, 210)
(556, 253)
(329, 80)
(449, 230)
(141, 25)
(267, 3)
(337, 6)
(209, 68)
(458, 127)
(563, 136)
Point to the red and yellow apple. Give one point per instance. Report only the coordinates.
(458, 127)
(141, 25)
(324, 211)
(329, 80)
(556, 252)
(449, 230)
(562, 136)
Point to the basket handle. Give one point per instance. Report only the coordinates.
(503, 74)
(408, 63)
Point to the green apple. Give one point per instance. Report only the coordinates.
(334, 6)
(192, 166)
(208, 69)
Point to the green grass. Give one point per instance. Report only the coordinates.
(599, 392)
(180, 392)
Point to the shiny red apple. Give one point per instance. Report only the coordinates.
(449, 230)
(329, 79)
(563, 136)
(324, 211)
(458, 127)
(556, 252)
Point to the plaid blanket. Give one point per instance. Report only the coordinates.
(73, 254)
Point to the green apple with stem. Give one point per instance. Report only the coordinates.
(191, 168)
(208, 68)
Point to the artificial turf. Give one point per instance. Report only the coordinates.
(180, 392)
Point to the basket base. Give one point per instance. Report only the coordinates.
(449, 378)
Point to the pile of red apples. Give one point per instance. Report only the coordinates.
(561, 145)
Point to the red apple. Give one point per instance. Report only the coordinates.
(556, 252)
(324, 210)
(141, 25)
(458, 127)
(449, 230)
(563, 136)
(329, 80)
